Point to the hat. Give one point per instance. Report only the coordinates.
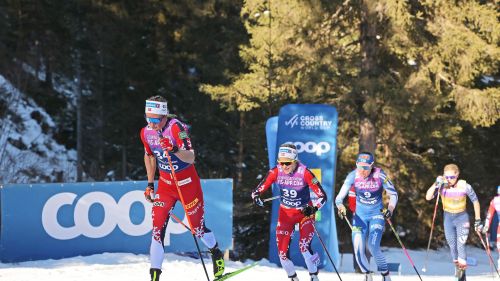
(287, 152)
(365, 157)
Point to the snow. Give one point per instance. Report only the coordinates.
(28, 151)
(124, 267)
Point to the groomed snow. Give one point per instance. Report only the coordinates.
(129, 267)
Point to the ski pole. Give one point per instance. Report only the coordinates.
(403, 247)
(195, 242)
(487, 252)
(348, 222)
(270, 198)
(326, 250)
(424, 269)
(174, 178)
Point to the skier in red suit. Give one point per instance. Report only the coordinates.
(165, 134)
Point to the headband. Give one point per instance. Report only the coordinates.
(287, 152)
(156, 107)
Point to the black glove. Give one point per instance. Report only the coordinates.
(149, 192)
(386, 213)
(478, 225)
(309, 210)
(256, 200)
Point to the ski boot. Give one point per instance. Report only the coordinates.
(368, 276)
(460, 271)
(314, 276)
(217, 261)
(155, 274)
(294, 277)
(386, 277)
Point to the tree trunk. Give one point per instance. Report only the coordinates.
(79, 135)
(240, 150)
(369, 71)
(367, 135)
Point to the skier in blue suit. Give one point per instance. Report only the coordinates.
(369, 221)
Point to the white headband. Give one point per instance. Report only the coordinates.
(287, 152)
(156, 107)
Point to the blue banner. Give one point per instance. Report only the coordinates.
(43, 221)
(313, 129)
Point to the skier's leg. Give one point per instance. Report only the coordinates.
(284, 232)
(306, 228)
(462, 226)
(376, 229)
(450, 234)
(359, 229)
(195, 209)
(498, 245)
(162, 206)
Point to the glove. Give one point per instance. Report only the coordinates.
(478, 225)
(256, 200)
(167, 145)
(149, 193)
(439, 181)
(485, 228)
(386, 213)
(342, 212)
(309, 210)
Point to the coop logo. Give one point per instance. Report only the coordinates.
(312, 147)
(309, 122)
(115, 214)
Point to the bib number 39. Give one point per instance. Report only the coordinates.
(290, 193)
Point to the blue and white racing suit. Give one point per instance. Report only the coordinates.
(368, 222)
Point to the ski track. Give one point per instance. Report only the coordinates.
(130, 267)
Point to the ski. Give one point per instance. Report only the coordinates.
(236, 272)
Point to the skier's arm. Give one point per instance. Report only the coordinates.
(489, 216)
(344, 190)
(267, 182)
(475, 201)
(185, 152)
(150, 163)
(431, 192)
(149, 159)
(316, 187)
(391, 191)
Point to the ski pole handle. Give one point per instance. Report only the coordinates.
(270, 198)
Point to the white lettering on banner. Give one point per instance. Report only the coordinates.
(312, 147)
(115, 214)
(309, 122)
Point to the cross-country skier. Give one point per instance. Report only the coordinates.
(175, 141)
(369, 220)
(454, 194)
(493, 210)
(295, 181)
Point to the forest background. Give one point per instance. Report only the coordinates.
(416, 82)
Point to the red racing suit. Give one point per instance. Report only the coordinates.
(493, 210)
(294, 196)
(187, 178)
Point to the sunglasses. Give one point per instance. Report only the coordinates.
(153, 120)
(363, 167)
(285, 163)
(450, 177)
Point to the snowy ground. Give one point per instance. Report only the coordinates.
(125, 267)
